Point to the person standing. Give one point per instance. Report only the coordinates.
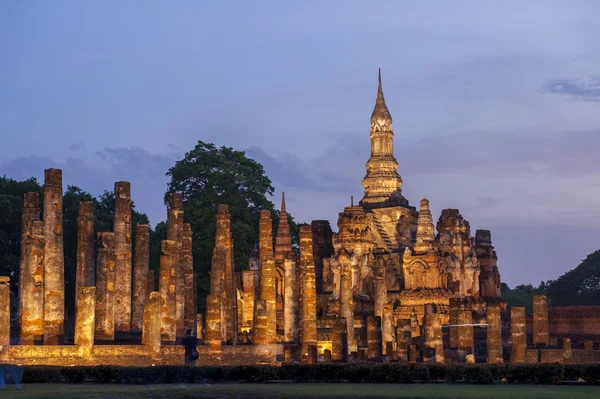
(190, 342)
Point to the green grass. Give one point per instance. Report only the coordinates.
(299, 391)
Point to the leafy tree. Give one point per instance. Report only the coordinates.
(208, 176)
(580, 286)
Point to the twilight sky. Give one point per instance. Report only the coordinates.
(495, 105)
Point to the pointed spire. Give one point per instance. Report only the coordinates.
(283, 239)
(425, 230)
(282, 202)
(381, 120)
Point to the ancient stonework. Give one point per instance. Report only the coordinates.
(388, 328)
(32, 288)
(123, 270)
(4, 310)
(190, 309)
(214, 335)
(85, 321)
(540, 321)
(54, 265)
(151, 336)
(373, 337)
(141, 263)
(518, 338)
(489, 277)
(175, 233)
(494, 335)
(166, 287)
(403, 338)
(339, 341)
(227, 291)
(433, 351)
(84, 276)
(291, 300)
(105, 287)
(322, 251)
(309, 293)
(466, 343)
(267, 273)
(31, 212)
(283, 250)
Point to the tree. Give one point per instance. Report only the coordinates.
(580, 286)
(208, 176)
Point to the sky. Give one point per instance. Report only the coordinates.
(495, 105)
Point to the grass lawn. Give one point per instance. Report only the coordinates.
(300, 391)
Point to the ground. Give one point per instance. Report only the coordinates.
(293, 390)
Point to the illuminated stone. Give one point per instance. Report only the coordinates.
(166, 287)
(267, 273)
(151, 335)
(54, 269)
(123, 266)
(489, 277)
(4, 310)
(403, 338)
(433, 351)
(84, 275)
(105, 286)
(309, 294)
(387, 327)
(373, 337)
(32, 288)
(466, 343)
(190, 309)
(223, 255)
(214, 337)
(540, 321)
(85, 320)
(494, 335)
(291, 300)
(175, 233)
(141, 262)
(518, 338)
(339, 341)
(283, 251)
(31, 212)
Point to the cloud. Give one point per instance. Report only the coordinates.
(79, 146)
(581, 89)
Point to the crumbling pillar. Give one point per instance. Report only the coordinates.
(123, 269)
(105, 287)
(466, 343)
(4, 310)
(213, 337)
(339, 341)
(346, 298)
(152, 322)
(151, 282)
(380, 285)
(540, 321)
(567, 352)
(54, 265)
(454, 309)
(32, 288)
(224, 273)
(175, 233)
(168, 270)
(250, 285)
(85, 320)
(373, 337)
(517, 334)
(412, 353)
(31, 212)
(141, 263)
(403, 338)
(84, 275)
(267, 272)
(387, 326)
(260, 334)
(190, 308)
(494, 335)
(309, 293)
(291, 300)
(200, 326)
(433, 351)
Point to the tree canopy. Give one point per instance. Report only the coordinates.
(208, 176)
(579, 286)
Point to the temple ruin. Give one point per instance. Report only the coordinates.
(388, 286)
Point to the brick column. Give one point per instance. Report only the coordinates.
(267, 273)
(152, 323)
(213, 337)
(403, 338)
(166, 285)
(433, 351)
(85, 320)
(453, 330)
(387, 327)
(373, 337)
(309, 293)
(84, 276)
(260, 334)
(140, 276)
(31, 212)
(151, 282)
(32, 288)
(54, 267)
(494, 335)
(200, 326)
(290, 318)
(4, 310)
(517, 334)
(175, 233)
(105, 287)
(346, 298)
(540, 321)
(339, 341)
(466, 343)
(123, 269)
(190, 308)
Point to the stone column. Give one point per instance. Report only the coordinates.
(339, 341)
(387, 326)
(141, 264)
(466, 344)
(433, 351)
(403, 338)
(567, 352)
(214, 337)
(85, 320)
(494, 335)
(4, 310)
(267, 272)
(84, 276)
(540, 321)
(250, 284)
(380, 287)
(32, 288)
(454, 309)
(175, 233)
(412, 353)
(290, 325)
(31, 212)
(260, 334)
(152, 322)
(54, 265)
(518, 336)
(123, 274)
(346, 299)
(166, 285)
(190, 308)
(309, 293)
(373, 337)
(200, 326)
(105, 287)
